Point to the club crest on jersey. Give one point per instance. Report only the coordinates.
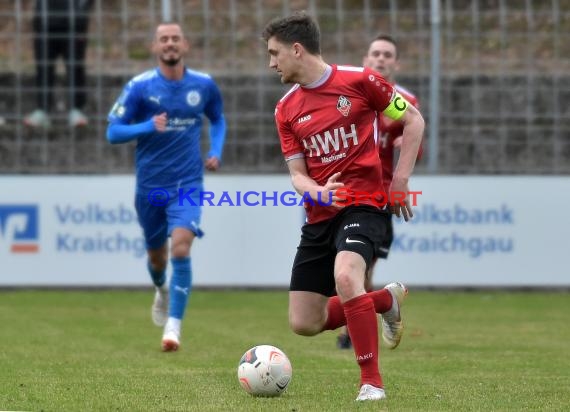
(343, 105)
(193, 98)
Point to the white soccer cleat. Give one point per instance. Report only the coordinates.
(160, 307)
(370, 393)
(171, 337)
(171, 341)
(392, 325)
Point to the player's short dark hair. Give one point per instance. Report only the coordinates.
(297, 28)
(388, 38)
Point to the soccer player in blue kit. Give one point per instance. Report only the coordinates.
(162, 109)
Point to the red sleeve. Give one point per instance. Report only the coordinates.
(290, 145)
(377, 89)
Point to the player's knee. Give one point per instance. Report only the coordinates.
(303, 326)
(180, 251)
(346, 281)
(158, 261)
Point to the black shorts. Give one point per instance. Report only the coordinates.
(388, 239)
(359, 229)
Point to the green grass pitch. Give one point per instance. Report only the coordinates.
(83, 351)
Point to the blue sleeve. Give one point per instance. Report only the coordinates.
(122, 133)
(217, 137)
(125, 109)
(215, 113)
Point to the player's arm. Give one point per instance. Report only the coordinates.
(411, 118)
(214, 112)
(304, 184)
(413, 122)
(386, 99)
(121, 129)
(397, 143)
(122, 133)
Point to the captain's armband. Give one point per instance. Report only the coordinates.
(397, 107)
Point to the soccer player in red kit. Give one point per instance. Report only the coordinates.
(383, 57)
(327, 125)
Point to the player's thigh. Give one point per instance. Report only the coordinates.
(184, 216)
(307, 312)
(153, 222)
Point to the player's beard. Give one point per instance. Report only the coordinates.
(172, 61)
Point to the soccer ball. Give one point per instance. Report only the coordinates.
(264, 370)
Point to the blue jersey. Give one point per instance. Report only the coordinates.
(169, 159)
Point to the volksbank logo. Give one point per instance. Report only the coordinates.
(19, 228)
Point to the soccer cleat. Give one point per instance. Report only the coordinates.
(160, 307)
(343, 341)
(37, 119)
(392, 325)
(77, 118)
(171, 340)
(370, 393)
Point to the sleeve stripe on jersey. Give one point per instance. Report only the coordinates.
(403, 89)
(291, 90)
(295, 156)
(149, 74)
(197, 73)
(350, 68)
(375, 127)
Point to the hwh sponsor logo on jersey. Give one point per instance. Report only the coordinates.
(330, 139)
(19, 228)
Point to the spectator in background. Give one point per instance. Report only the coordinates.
(383, 56)
(60, 30)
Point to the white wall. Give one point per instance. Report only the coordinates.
(468, 231)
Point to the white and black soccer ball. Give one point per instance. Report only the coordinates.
(264, 370)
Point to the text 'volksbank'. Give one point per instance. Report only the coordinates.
(81, 238)
(457, 229)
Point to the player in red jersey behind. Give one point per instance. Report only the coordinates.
(383, 56)
(328, 128)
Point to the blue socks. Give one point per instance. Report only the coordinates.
(180, 287)
(158, 276)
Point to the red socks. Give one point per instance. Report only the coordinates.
(382, 303)
(382, 300)
(359, 314)
(363, 328)
(335, 318)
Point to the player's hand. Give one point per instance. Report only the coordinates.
(400, 199)
(212, 163)
(160, 122)
(397, 143)
(329, 192)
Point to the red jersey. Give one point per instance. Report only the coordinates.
(389, 130)
(334, 127)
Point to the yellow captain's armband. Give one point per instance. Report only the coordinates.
(397, 107)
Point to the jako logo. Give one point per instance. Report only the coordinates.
(364, 357)
(19, 228)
